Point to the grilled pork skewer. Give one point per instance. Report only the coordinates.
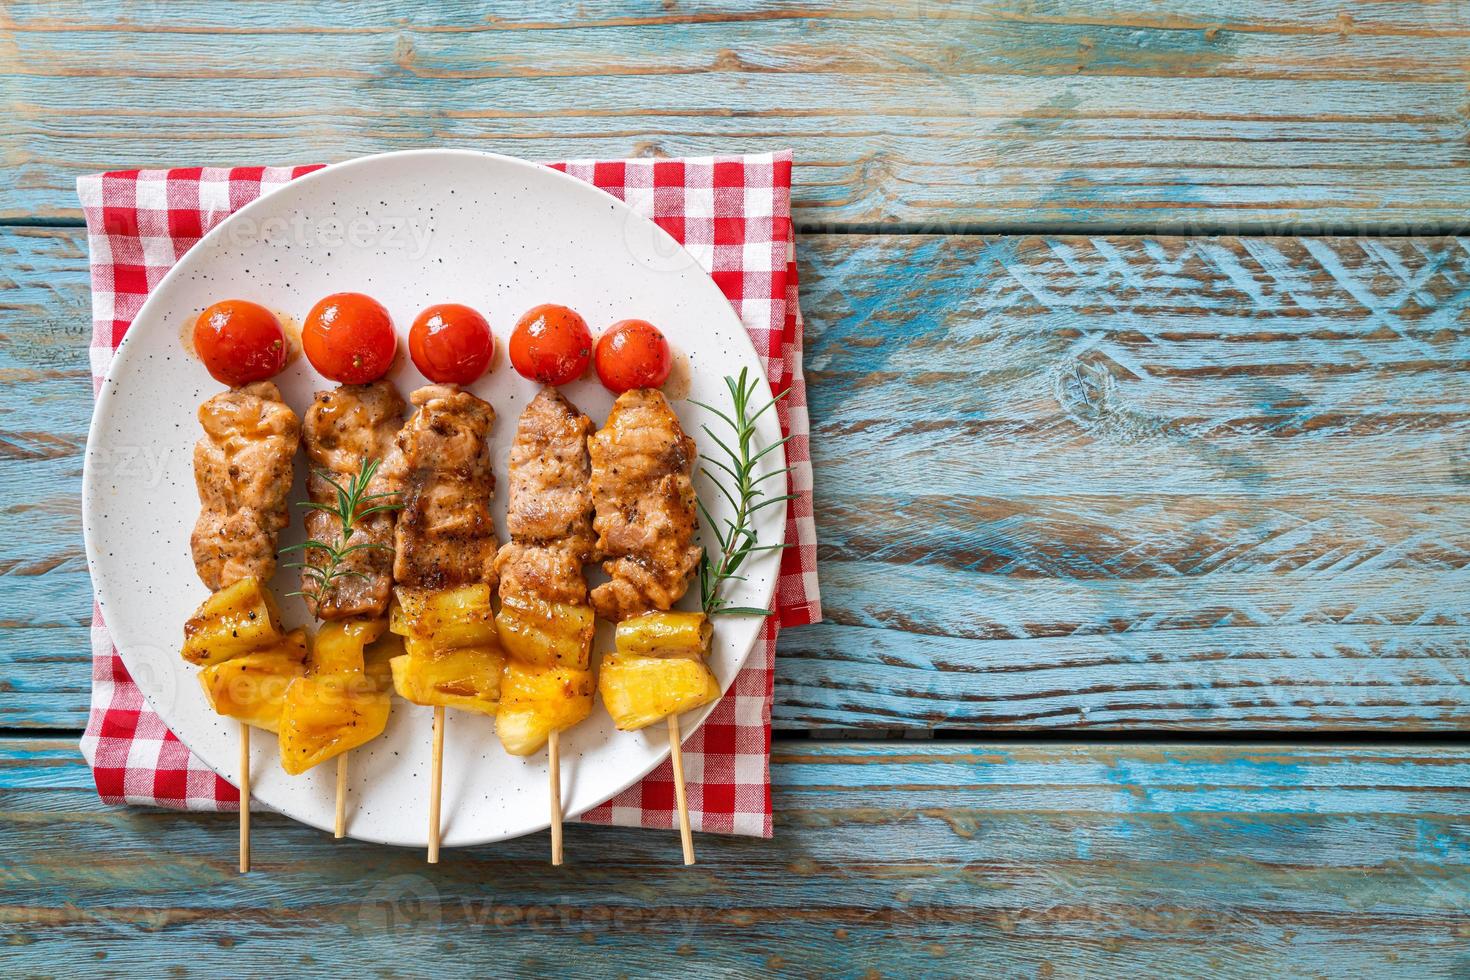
(346, 431)
(444, 564)
(445, 536)
(545, 621)
(243, 472)
(343, 430)
(642, 489)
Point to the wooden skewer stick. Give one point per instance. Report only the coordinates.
(436, 780)
(339, 828)
(244, 797)
(553, 752)
(676, 753)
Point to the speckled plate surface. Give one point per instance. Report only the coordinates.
(410, 229)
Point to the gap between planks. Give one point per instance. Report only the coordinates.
(1041, 736)
(1124, 229)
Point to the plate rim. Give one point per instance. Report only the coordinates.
(107, 391)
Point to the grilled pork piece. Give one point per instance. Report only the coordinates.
(550, 511)
(243, 469)
(550, 571)
(445, 537)
(550, 499)
(545, 622)
(645, 511)
(344, 429)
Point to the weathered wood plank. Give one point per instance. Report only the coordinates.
(1318, 677)
(1034, 115)
(1410, 18)
(1158, 483)
(889, 859)
(45, 387)
(1127, 483)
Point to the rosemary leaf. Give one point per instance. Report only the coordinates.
(774, 473)
(312, 543)
(353, 504)
(772, 500)
(736, 537)
(772, 446)
(710, 408)
(740, 611)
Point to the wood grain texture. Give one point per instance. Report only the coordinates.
(1138, 483)
(889, 859)
(1063, 481)
(1023, 115)
(1159, 483)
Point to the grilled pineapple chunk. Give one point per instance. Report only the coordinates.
(546, 634)
(536, 701)
(453, 655)
(339, 645)
(459, 617)
(344, 698)
(328, 714)
(639, 691)
(664, 634)
(252, 687)
(465, 677)
(235, 620)
(377, 659)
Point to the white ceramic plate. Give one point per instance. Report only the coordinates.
(410, 229)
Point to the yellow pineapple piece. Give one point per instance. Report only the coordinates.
(664, 634)
(338, 645)
(459, 617)
(546, 634)
(465, 677)
(536, 701)
(377, 659)
(639, 691)
(235, 620)
(252, 687)
(325, 715)
(344, 698)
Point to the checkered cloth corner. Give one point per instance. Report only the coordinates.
(732, 213)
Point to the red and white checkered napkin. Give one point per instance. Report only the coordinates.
(732, 213)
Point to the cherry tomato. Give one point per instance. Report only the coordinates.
(551, 344)
(349, 338)
(451, 344)
(633, 354)
(240, 342)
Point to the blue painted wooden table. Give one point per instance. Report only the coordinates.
(1137, 343)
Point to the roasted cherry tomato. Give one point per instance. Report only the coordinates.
(551, 344)
(240, 342)
(633, 354)
(349, 338)
(451, 344)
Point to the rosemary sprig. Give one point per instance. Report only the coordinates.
(353, 503)
(736, 537)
